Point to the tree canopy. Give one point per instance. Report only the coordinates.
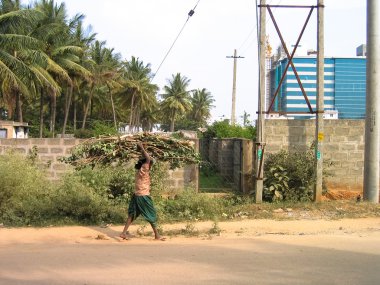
(57, 76)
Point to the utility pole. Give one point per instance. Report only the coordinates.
(233, 115)
(371, 152)
(319, 127)
(260, 134)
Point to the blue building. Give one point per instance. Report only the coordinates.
(344, 87)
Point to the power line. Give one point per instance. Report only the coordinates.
(253, 30)
(191, 13)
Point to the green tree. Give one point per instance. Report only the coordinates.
(78, 71)
(139, 94)
(201, 106)
(176, 99)
(63, 55)
(18, 52)
(104, 66)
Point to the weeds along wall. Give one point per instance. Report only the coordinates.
(49, 151)
(343, 146)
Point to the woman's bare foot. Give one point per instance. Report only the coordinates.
(160, 238)
(126, 236)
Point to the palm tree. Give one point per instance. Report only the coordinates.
(201, 105)
(148, 118)
(62, 51)
(176, 99)
(105, 76)
(53, 30)
(139, 94)
(76, 62)
(18, 52)
(84, 38)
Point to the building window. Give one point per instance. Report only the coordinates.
(3, 133)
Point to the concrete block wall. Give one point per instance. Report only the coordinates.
(236, 159)
(225, 160)
(233, 160)
(343, 145)
(213, 148)
(186, 177)
(50, 150)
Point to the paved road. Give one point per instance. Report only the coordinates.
(270, 259)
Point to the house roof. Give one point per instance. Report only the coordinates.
(12, 123)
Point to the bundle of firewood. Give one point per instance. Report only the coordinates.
(121, 149)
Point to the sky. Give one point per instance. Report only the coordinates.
(147, 28)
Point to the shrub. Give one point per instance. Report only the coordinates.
(189, 205)
(121, 185)
(224, 130)
(290, 176)
(93, 196)
(159, 179)
(74, 201)
(25, 192)
(276, 183)
(95, 129)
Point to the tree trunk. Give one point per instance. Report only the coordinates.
(41, 112)
(113, 107)
(67, 109)
(87, 108)
(74, 113)
(53, 113)
(131, 114)
(18, 107)
(137, 120)
(172, 122)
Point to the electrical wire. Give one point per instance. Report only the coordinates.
(253, 29)
(191, 13)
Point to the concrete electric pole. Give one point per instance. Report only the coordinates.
(233, 108)
(319, 134)
(372, 122)
(260, 134)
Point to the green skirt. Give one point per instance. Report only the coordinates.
(143, 205)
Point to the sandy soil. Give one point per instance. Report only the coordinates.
(368, 227)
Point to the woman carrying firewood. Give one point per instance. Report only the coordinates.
(141, 202)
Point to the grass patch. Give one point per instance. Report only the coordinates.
(214, 183)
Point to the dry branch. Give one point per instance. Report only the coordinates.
(120, 149)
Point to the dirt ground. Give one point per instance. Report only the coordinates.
(345, 251)
(244, 228)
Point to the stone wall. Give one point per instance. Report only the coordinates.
(343, 145)
(50, 150)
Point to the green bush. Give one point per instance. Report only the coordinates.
(224, 130)
(189, 205)
(25, 192)
(159, 179)
(121, 185)
(290, 176)
(95, 129)
(276, 184)
(76, 202)
(83, 133)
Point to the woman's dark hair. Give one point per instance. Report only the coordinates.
(141, 161)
